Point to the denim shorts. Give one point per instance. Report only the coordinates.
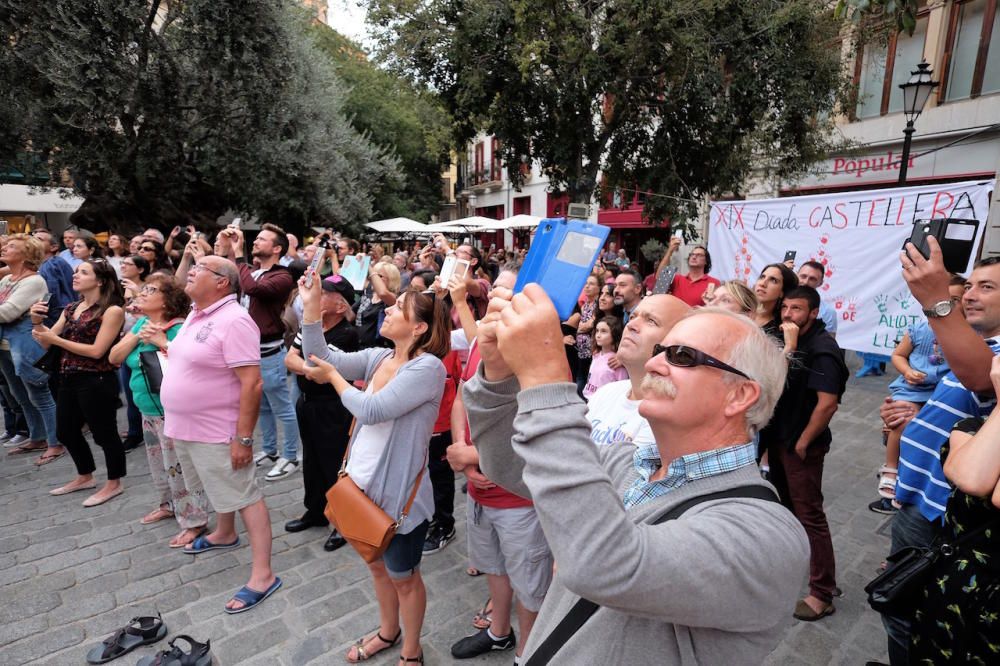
(402, 557)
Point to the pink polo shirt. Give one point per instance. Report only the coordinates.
(200, 391)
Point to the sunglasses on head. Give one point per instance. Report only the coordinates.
(682, 356)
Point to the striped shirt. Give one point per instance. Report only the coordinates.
(687, 468)
(921, 479)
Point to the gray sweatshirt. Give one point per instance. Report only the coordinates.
(716, 586)
(411, 400)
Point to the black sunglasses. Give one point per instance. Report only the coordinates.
(689, 357)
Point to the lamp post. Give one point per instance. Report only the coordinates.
(916, 92)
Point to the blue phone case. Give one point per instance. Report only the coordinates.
(563, 260)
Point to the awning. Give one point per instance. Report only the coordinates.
(397, 225)
(24, 199)
(522, 221)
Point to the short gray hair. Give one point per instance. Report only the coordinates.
(759, 356)
(229, 270)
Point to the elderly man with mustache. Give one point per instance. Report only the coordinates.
(710, 584)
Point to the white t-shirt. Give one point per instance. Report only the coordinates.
(367, 450)
(614, 419)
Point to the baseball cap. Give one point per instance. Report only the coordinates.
(340, 285)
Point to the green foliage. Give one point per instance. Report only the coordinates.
(175, 113)
(680, 98)
(903, 13)
(408, 122)
(653, 250)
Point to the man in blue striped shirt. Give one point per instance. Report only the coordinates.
(922, 489)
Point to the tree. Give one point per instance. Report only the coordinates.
(174, 113)
(408, 122)
(903, 13)
(679, 98)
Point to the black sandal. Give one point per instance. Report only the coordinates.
(415, 660)
(199, 654)
(363, 655)
(139, 631)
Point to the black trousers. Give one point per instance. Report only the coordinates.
(442, 480)
(323, 428)
(91, 398)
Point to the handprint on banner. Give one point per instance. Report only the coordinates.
(838, 303)
(904, 299)
(742, 259)
(882, 303)
(821, 256)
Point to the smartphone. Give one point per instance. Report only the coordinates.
(664, 280)
(324, 244)
(790, 256)
(46, 297)
(957, 239)
(679, 234)
(453, 266)
(4, 226)
(236, 223)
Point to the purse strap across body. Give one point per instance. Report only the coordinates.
(583, 609)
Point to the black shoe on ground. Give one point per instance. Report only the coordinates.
(132, 443)
(882, 505)
(481, 643)
(333, 542)
(437, 539)
(299, 524)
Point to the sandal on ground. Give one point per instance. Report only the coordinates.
(198, 531)
(415, 660)
(251, 598)
(156, 516)
(203, 545)
(138, 631)
(887, 484)
(199, 654)
(46, 458)
(363, 655)
(484, 618)
(28, 447)
(472, 571)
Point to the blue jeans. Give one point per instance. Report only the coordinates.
(909, 528)
(276, 405)
(32, 392)
(131, 411)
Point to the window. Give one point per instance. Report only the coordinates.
(477, 171)
(495, 159)
(973, 62)
(881, 68)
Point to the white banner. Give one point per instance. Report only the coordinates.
(856, 235)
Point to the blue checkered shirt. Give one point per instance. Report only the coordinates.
(687, 468)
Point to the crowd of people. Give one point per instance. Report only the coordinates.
(672, 431)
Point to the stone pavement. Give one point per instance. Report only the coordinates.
(70, 575)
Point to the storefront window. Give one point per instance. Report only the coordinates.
(974, 67)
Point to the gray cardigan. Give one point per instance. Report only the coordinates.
(715, 586)
(412, 400)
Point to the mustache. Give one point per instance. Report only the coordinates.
(658, 386)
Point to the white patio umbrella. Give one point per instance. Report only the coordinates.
(397, 225)
(522, 221)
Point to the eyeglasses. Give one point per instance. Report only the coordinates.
(689, 357)
(202, 267)
(147, 248)
(149, 290)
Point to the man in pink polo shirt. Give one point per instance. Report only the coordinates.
(211, 397)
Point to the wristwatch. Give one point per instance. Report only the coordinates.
(939, 309)
(246, 441)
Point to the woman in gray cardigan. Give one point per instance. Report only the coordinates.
(394, 420)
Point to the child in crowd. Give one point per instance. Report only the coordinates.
(607, 335)
(921, 366)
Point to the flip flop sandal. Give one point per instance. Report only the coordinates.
(483, 619)
(46, 459)
(158, 515)
(28, 447)
(203, 545)
(472, 571)
(363, 655)
(184, 545)
(199, 654)
(139, 631)
(251, 598)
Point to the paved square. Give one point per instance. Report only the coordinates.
(70, 575)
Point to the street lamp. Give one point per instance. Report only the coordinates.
(916, 92)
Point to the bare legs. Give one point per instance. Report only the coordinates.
(399, 600)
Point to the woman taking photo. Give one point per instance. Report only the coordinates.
(88, 383)
(19, 290)
(163, 305)
(387, 455)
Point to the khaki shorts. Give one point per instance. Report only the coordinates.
(510, 542)
(208, 466)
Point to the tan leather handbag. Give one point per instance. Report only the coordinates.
(359, 520)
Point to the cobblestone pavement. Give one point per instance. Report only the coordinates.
(70, 575)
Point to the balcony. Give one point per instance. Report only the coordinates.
(485, 181)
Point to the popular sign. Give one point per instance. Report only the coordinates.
(857, 236)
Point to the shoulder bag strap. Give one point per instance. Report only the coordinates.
(584, 608)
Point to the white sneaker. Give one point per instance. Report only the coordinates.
(281, 469)
(264, 457)
(16, 440)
